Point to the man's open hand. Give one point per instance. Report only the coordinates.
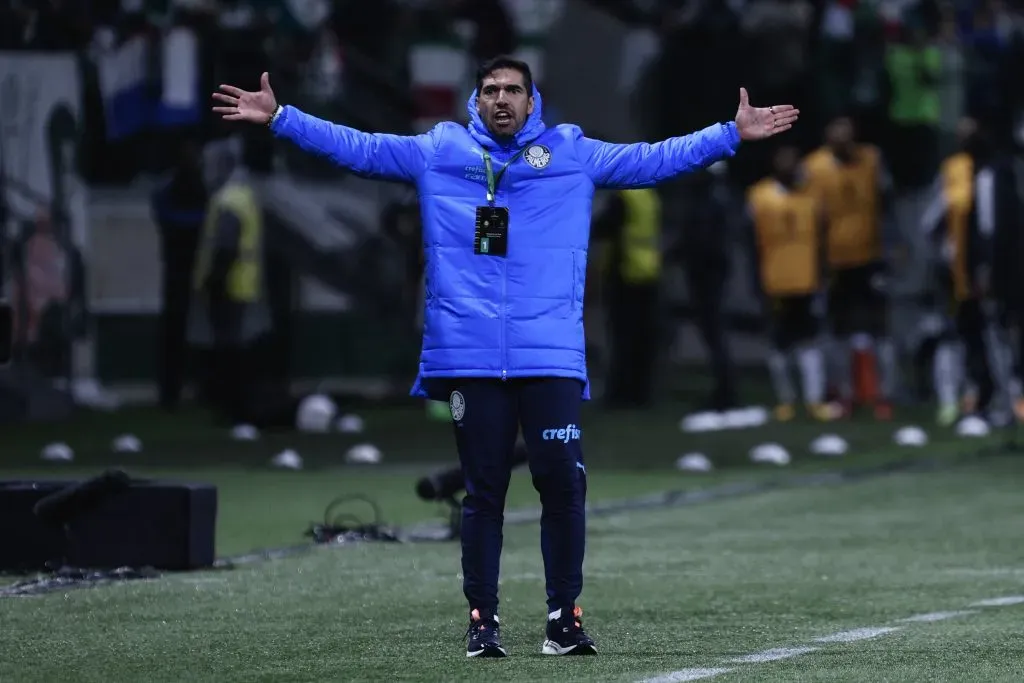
(241, 105)
(758, 123)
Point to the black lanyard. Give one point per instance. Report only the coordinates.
(493, 180)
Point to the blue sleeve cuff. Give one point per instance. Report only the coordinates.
(732, 135)
(278, 124)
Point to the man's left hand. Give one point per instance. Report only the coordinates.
(758, 123)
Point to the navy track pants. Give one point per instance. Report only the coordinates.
(487, 415)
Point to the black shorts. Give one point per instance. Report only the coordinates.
(857, 301)
(793, 321)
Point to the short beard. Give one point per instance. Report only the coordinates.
(502, 136)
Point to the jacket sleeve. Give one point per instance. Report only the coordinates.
(373, 155)
(644, 164)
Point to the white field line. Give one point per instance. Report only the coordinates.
(937, 616)
(1000, 602)
(687, 675)
(857, 634)
(991, 571)
(773, 655)
(851, 636)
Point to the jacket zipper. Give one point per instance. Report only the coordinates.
(504, 351)
(504, 305)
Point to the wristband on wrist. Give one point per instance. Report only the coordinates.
(273, 117)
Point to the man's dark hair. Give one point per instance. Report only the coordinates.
(504, 62)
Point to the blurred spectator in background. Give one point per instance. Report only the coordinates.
(999, 212)
(401, 221)
(786, 221)
(631, 225)
(959, 353)
(852, 187)
(179, 209)
(229, 316)
(914, 62)
(704, 248)
(47, 291)
(41, 284)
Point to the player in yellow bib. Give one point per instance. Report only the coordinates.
(850, 181)
(787, 234)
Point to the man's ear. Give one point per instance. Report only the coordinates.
(529, 106)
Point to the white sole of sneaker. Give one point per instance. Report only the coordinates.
(550, 647)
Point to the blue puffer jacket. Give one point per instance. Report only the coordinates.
(521, 315)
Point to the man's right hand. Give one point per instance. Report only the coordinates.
(241, 105)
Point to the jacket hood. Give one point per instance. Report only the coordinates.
(533, 127)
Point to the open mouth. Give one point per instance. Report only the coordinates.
(503, 118)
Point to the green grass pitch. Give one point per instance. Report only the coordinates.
(792, 584)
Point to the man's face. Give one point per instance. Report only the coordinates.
(503, 102)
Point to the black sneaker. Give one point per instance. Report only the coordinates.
(484, 637)
(566, 635)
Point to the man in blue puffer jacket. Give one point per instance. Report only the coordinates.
(506, 220)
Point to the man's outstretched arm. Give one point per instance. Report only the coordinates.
(644, 164)
(375, 155)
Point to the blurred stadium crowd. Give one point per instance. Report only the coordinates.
(830, 56)
(902, 86)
